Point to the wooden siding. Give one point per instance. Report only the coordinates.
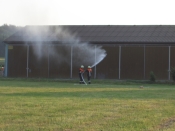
(133, 64)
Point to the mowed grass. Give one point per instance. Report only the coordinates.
(68, 106)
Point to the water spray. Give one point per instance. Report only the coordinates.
(83, 52)
(100, 59)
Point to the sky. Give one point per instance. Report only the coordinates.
(87, 12)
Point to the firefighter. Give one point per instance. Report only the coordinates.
(89, 74)
(81, 71)
(2, 69)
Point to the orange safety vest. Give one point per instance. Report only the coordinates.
(89, 70)
(81, 70)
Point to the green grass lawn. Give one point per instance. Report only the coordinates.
(31, 105)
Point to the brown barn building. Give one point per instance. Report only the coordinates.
(133, 51)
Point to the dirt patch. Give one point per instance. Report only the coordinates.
(166, 123)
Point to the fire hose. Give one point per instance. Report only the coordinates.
(83, 78)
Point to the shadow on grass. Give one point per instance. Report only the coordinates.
(131, 94)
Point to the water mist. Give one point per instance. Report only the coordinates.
(83, 53)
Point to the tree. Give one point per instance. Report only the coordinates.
(152, 77)
(5, 32)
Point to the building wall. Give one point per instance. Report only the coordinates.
(17, 61)
(59, 67)
(172, 56)
(133, 62)
(38, 63)
(108, 68)
(46, 63)
(156, 60)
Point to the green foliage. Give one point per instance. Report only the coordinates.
(173, 73)
(5, 32)
(152, 77)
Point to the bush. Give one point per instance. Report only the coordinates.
(152, 77)
(173, 73)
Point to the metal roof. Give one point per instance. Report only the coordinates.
(98, 33)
